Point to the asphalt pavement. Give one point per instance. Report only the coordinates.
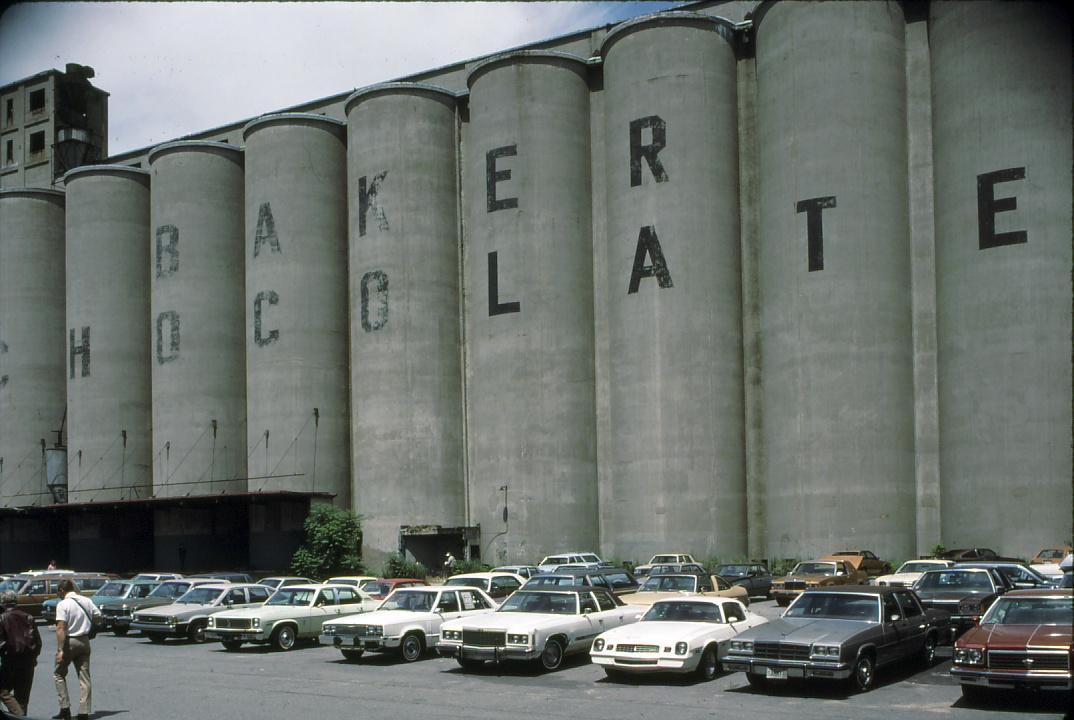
(137, 680)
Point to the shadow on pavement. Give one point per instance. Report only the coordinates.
(1020, 702)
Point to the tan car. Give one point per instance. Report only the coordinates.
(864, 560)
(33, 589)
(675, 585)
(815, 574)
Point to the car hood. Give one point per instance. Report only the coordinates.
(805, 578)
(382, 617)
(510, 620)
(138, 603)
(908, 578)
(805, 630)
(182, 610)
(1018, 637)
(266, 612)
(659, 632)
(648, 598)
(950, 595)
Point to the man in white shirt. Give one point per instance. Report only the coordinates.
(74, 620)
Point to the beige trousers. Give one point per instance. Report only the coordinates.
(77, 652)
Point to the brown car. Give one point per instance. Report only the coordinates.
(1022, 642)
(33, 589)
(864, 560)
(815, 574)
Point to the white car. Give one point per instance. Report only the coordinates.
(536, 625)
(910, 572)
(1050, 571)
(407, 622)
(497, 585)
(188, 615)
(352, 580)
(690, 634)
(664, 559)
(586, 560)
(291, 614)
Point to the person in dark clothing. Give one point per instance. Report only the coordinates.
(20, 644)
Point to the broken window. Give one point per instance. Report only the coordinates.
(37, 101)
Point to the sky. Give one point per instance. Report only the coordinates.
(175, 68)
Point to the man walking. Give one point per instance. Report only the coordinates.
(74, 620)
(20, 644)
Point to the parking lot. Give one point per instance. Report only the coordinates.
(135, 679)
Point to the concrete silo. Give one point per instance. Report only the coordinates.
(32, 340)
(676, 473)
(197, 331)
(406, 381)
(296, 305)
(834, 277)
(529, 314)
(1002, 136)
(107, 354)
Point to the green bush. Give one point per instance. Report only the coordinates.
(333, 543)
(463, 567)
(397, 566)
(938, 550)
(781, 567)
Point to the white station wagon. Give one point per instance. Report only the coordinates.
(539, 625)
(293, 613)
(682, 635)
(407, 622)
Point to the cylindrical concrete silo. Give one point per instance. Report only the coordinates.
(406, 382)
(677, 456)
(296, 305)
(197, 331)
(32, 377)
(108, 375)
(529, 317)
(1002, 135)
(834, 275)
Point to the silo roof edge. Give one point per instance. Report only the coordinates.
(387, 87)
(521, 54)
(15, 192)
(88, 169)
(189, 145)
(284, 117)
(668, 17)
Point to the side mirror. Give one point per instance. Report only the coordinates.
(638, 616)
(894, 617)
(439, 611)
(586, 611)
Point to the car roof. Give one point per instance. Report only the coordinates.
(857, 589)
(573, 589)
(1038, 592)
(710, 599)
(482, 575)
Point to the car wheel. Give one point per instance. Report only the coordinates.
(352, 654)
(196, 632)
(864, 675)
(155, 638)
(119, 631)
(552, 655)
(284, 638)
(231, 645)
(412, 647)
(709, 666)
(928, 651)
(757, 681)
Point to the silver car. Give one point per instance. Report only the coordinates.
(189, 614)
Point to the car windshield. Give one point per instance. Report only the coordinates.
(664, 559)
(411, 600)
(1030, 611)
(12, 584)
(113, 589)
(553, 581)
(813, 568)
(541, 602)
(468, 582)
(679, 611)
(954, 580)
(291, 596)
(669, 583)
(270, 582)
(732, 570)
(590, 559)
(836, 606)
(200, 596)
(1051, 555)
(343, 581)
(916, 567)
(170, 590)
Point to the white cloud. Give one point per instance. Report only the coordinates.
(178, 68)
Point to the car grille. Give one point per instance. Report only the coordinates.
(152, 619)
(793, 585)
(634, 661)
(484, 638)
(780, 651)
(234, 623)
(363, 630)
(637, 648)
(115, 612)
(895, 583)
(1015, 660)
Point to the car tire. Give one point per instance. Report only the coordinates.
(552, 655)
(708, 666)
(231, 645)
(284, 638)
(196, 632)
(863, 677)
(156, 638)
(351, 654)
(757, 681)
(411, 647)
(928, 650)
(120, 631)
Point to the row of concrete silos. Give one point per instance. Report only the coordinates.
(519, 418)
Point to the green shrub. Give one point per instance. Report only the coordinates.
(781, 566)
(333, 543)
(397, 566)
(938, 550)
(463, 567)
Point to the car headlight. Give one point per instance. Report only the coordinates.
(824, 651)
(969, 656)
(598, 644)
(453, 634)
(518, 639)
(257, 622)
(211, 623)
(124, 606)
(681, 648)
(742, 646)
(172, 621)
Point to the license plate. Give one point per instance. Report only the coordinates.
(775, 673)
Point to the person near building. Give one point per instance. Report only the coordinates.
(449, 564)
(74, 622)
(20, 644)
(51, 565)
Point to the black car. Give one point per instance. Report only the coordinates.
(618, 580)
(1021, 576)
(963, 592)
(755, 577)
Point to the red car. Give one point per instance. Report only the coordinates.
(1022, 642)
(382, 588)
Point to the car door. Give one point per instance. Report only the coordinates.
(502, 587)
(36, 594)
(448, 608)
(351, 601)
(324, 607)
(257, 596)
(472, 603)
(588, 624)
(893, 631)
(235, 598)
(914, 626)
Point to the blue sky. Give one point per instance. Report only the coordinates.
(179, 67)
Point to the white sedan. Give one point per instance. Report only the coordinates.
(407, 622)
(689, 634)
(910, 572)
